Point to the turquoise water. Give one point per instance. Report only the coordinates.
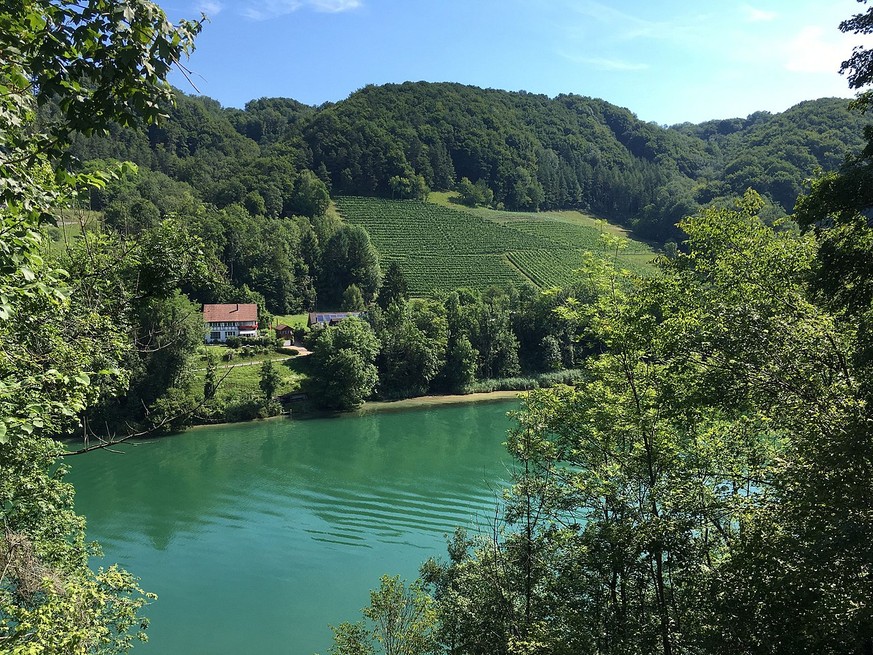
(256, 537)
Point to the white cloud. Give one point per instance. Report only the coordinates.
(209, 7)
(755, 15)
(266, 9)
(334, 6)
(814, 50)
(605, 63)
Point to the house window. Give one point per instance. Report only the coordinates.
(215, 336)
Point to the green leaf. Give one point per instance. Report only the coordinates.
(4, 435)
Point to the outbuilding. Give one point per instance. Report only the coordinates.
(325, 319)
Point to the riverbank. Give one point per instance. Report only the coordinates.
(385, 406)
(376, 406)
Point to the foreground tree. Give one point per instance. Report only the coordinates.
(101, 62)
(401, 622)
(702, 489)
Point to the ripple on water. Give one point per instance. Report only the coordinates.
(293, 521)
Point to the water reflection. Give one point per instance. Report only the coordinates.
(294, 520)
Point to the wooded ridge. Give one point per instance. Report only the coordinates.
(529, 151)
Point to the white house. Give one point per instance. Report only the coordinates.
(233, 320)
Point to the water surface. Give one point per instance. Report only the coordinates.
(256, 537)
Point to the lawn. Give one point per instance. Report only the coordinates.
(240, 378)
(291, 320)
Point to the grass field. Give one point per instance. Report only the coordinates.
(240, 378)
(71, 224)
(440, 246)
(291, 320)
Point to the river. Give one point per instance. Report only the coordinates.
(258, 536)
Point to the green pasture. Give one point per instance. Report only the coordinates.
(71, 224)
(291, 320)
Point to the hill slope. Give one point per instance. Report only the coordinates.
(238, 178)
(439, 248)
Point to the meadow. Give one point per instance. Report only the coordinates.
(440, 247)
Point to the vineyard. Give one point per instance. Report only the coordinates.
(441, 248)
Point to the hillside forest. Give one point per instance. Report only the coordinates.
(274, 204)
(696, 478)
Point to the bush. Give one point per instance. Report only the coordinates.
(250, 342)
(243, 410)
(293, 352)
(569, 376)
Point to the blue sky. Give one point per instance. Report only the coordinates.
(667, 60)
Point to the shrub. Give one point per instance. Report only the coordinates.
(569, 376)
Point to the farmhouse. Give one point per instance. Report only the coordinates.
(232, 320)
(284, 331)
(324, 319)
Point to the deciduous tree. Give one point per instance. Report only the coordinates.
(342, 369)
(100, 62)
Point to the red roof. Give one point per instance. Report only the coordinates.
(247, 312)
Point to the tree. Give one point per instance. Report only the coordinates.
(460, 369)
(682, 497)
(103, 62)
(467, 192)
(394, 288)
(402, 621)
(210, 383)
(413, 337)
(352, 301)
(838, 204)
(342, 369)
(269, 380)
(349, 258)
(310, 196)
(493, 338)
(474, 194)
(860, 65)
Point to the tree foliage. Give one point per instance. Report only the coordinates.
(102, 62)
(349, 258)
(400, 621)
(702, 489)
(516, 151)
(343, 372)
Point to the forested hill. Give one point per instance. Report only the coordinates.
(531, 151)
